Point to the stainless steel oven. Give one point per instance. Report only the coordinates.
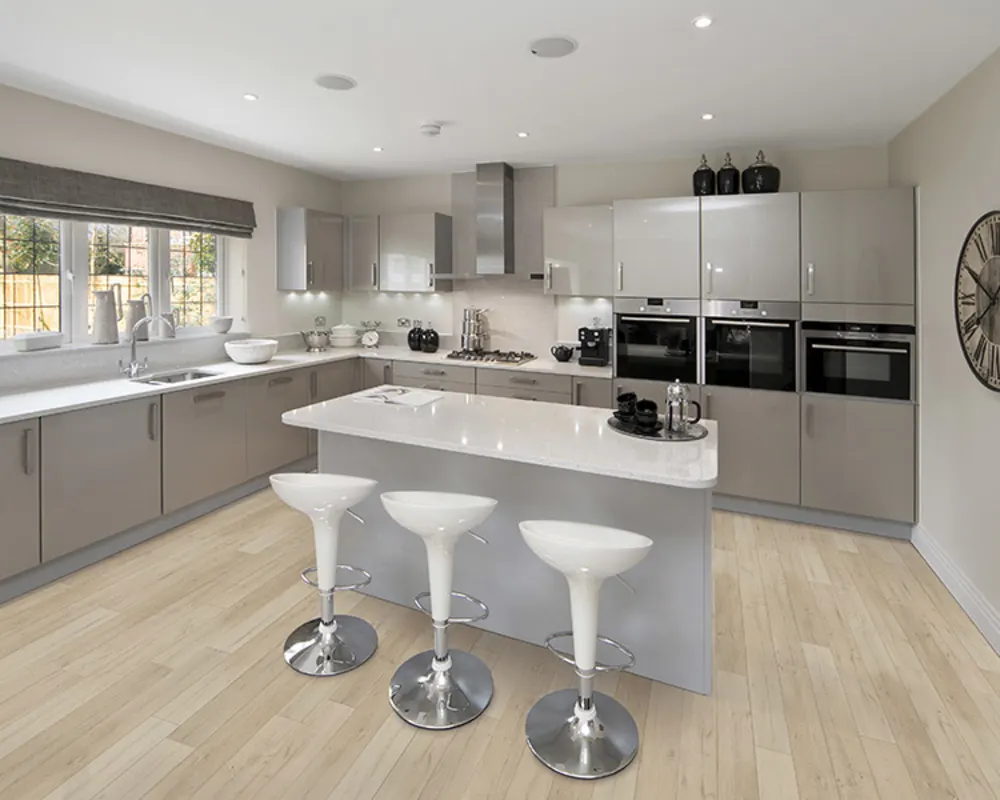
(751, 344)
(858, 359)
(656, 339)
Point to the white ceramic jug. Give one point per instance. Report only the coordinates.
(137, 310)
(107, 312)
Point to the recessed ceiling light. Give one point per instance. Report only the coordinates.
(553, 47)
(377, 149)
(250, 96)
(523, 135)
(337, 83)
(708, 116)
(701, 22)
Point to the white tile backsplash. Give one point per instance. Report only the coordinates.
(573, 313)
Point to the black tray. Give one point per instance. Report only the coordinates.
(658, 434)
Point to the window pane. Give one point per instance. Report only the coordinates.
(29, 275)
(193, 268)
(117, 255)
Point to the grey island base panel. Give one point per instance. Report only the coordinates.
(667, 623)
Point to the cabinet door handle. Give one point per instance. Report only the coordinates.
(374, 275)
(809, 420)
(708, 406)
(313, 385)
(204, 398)
(438, 372)
(280, 381)
(524, 397)
(548, 276)
(385, 373)
(810, 277)
(524, 381)
(711, 280)
(577, 392)
(434, 386)
(154, 421)
(619, 390)
(28, 451)
(430, 276)
(621, 276)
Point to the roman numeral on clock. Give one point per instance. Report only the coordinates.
(969, 326)
(981, 353)
(993, 375)
(995, 236)
(967, 298)
(981, 247)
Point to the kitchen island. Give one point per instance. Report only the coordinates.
(540, 461)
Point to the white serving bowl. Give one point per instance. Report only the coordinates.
(251, 351)
(221, 324)
(343, 335)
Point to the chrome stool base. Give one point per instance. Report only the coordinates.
(581, 748)
(350, 646)
(439, 700)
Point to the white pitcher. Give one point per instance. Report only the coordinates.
(107, 312)
(137, 310)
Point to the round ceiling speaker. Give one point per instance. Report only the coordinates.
(336, 83)
(553, 47)
(431, 129)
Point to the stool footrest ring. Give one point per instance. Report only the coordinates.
(562, 655)
(348, 587)
(458, 620)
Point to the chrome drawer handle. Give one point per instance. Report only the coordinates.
(202, 398)
(280, 381)
(524, 381)
(434, 372)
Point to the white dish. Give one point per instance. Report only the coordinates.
(343, 341)
(42, 340)
(221, 324)
(251, 351)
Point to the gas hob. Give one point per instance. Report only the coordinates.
(512, 357)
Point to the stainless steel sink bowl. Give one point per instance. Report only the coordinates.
(166, 378)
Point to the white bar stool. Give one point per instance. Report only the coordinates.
(583, 733)
(441, 689)
(330, 644)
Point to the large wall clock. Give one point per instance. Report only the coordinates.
(977, 299)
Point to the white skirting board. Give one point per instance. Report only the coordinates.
(984, 615)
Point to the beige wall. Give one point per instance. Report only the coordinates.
(45, 131)
(949, 153)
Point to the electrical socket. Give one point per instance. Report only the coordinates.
(402, 322)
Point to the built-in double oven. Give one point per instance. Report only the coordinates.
(656, 339)
(751, 344)
(859, 359)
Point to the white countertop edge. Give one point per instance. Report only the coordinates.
(610, 472)
(42, 402)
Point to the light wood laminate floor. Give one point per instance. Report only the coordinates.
(844, 670)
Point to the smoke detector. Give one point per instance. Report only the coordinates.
(431, 129)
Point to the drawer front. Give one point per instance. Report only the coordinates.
(204, 443)
(527, 382)
(270, 442)
(416, 371)
(436, 384)
(527, 393)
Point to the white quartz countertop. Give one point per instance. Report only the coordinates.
(547, 434)
(18, 406)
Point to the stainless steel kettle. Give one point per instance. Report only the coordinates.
(679, 403)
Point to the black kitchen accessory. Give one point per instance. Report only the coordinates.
(429, 339)
(761, 177)
(729, 178)
(413, 338)
(561, 352)
(626, 406)
(703, 179)
(595, 346)
(645, 414)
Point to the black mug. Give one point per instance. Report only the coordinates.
(645, 414)
(626, 405)
(561, 352)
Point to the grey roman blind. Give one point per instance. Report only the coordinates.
(39, 191)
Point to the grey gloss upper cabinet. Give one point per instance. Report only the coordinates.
(858, 457)
(656, 249)
(858, 247)
(310, 250)
(362, 260)
(204, 443)
(759, 442)
(19, 493)
(579, 250)
(750, 247)
(100, 473)
(413, 249)
(270, 442)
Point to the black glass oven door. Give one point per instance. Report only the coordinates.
(750, 354)
(657, 348)
(861, 369)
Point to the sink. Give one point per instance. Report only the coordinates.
(177, 377)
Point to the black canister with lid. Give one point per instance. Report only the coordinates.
(429, 339)
(761, 177)
(703, 179)
(413, 338)
(729, 177)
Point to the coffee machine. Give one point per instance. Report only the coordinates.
(595, 345)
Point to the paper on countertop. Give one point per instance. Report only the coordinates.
(400, 396)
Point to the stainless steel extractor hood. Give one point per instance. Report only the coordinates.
(494, 219)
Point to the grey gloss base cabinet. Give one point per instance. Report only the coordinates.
(328, 381)
(858, 457)
(19, 498)
(592, 392)
(758, 442)
(650, 390)
(375, 372)
(100, 473)
(270, 443)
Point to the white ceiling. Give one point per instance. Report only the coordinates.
(783, 74)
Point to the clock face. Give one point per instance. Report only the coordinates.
(977, 299)
(369, 338)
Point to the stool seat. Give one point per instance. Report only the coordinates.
(433, 515)
(332, 643)
(576, 547)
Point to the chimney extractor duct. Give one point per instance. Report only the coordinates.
(494, 219)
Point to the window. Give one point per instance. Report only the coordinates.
(29, 275)
(180, 271)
